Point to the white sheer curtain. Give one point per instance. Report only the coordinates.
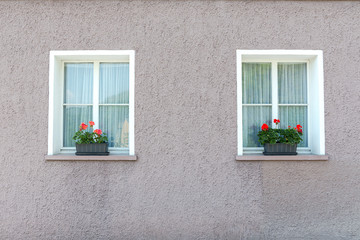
(114, 103)
(292, 85)
(293, 116)
(78, 89)
(114, 83)
(114, 120)
(253, 118)
(256, 97)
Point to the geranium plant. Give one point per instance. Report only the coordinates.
(84, 136)
(290, 135)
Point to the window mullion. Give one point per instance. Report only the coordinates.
(96, 93)
(274, 89)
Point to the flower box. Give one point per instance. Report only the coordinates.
(278, 141)
(99, 149)
(93, 142)
(280, 149)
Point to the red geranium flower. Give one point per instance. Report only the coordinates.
(276, 121)
(299, 128)
(83, 126)
(98, 131)
(91, 123)
(264, 127)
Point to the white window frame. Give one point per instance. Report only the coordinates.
(315, 78)
(56, 89)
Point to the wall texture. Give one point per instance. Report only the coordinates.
(186, 183)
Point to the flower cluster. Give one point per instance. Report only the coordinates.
(298, 128)
(277, 135)
(264, 127)
(83, 126)
(98, 131)
(84, 137)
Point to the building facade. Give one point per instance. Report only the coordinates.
(187, 181)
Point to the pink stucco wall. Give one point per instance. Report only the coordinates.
(186, 183)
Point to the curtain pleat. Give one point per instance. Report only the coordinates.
(73, 117)
(292, 83)
(114, 89)
(253, 118)
(78, 83)
(256, 89)
(78, 89)
(114, 83)
(292, 89)
(291, 116)
(114, 120)
(256, 83)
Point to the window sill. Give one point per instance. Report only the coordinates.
(73, 157)
(300, 157)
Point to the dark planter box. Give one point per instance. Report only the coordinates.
(99, 149)
(279, 149)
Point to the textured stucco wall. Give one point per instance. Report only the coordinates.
(186, 183)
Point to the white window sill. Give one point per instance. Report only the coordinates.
(73, 157)
(299, 157)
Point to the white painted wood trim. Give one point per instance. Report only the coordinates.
(96, 86)
(132, 103)
(61, 79)
(293, 104)
(51, 104)
(97, 53)
(274, 92)
(321, 102)
(75, 104)
(239, 101)
(56, 61)
(309, 119)
(91, 61)
(279, 60)
(314, 60)
(114, 104)
(282, 52)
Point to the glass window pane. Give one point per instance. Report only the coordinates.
(114, 121)
(291, 116)
(73, 117)
(253, 119)
(292, 83)
(256, 83)
(114, 83)
(78, 79)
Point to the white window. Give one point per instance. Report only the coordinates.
(280, 84)
(91, 86)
